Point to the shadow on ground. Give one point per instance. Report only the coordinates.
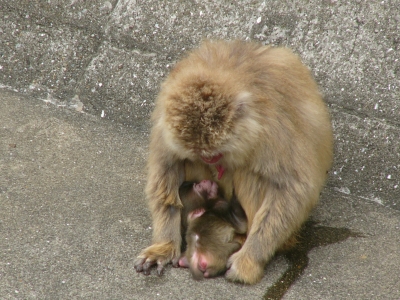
(311, 236)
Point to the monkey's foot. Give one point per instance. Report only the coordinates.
(160, 254)
(183, 261)
(241, 268)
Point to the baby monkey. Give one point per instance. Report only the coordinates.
(212, 228)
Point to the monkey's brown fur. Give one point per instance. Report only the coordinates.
(260, 109)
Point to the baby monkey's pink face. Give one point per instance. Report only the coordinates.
(206, 189)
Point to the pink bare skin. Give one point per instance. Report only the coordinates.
(209, 186)
(213, 161)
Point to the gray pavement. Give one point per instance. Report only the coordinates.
(77, 84)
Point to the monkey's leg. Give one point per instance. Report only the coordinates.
(165, 177)
(281, 213)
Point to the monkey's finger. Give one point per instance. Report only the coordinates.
(147, 266)
(160, 268)
(175, 262)
(230, 273)
(138, 265)
(228, 265)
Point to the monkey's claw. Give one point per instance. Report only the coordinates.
(143, 265)
(146, 267)
(139, 264)
(160, 269)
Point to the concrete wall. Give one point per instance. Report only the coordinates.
(108, 58)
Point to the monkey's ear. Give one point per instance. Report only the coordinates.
(196, 213)
(242, 100)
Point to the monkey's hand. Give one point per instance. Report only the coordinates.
(242, 268)
(160, 254)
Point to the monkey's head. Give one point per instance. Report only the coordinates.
(211, 240)
(207, 112)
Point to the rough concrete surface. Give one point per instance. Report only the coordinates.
(74, 134)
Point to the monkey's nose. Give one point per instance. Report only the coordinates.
(202, 265)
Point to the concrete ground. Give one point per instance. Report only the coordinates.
(77, 84)
(73, 218)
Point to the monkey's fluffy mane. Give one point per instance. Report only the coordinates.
(205, 99)
(201, 115)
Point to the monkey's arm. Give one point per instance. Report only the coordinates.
(165, 175)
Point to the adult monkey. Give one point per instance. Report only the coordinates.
(252, 117)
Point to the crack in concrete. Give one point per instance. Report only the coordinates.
(359, 23)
